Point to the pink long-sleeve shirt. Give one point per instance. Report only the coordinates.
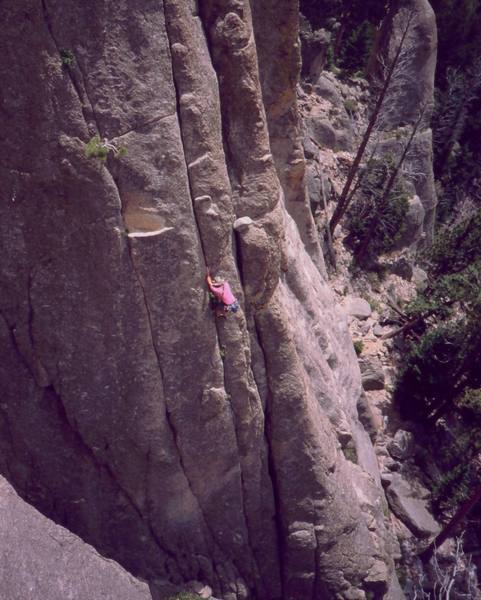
(223, 293)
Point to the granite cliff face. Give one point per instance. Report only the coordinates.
(410, 99)
(39, 559)
(182, 446)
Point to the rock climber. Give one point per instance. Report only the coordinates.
(225, 299)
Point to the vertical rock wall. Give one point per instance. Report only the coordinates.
(183, 446)
(411, 95)
(39, 559)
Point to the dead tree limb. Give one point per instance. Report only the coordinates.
(462, 512)
(406, 327)
(343, 204)
(330, 247)
(402, 158)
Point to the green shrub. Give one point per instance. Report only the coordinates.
(427, 380)
(358, 346)
(470, 403)
(98, 148)
(458, 477)
(376, 221)
(95, 148)
(351, 106)
(357, 48)
(350, 453)
(67, 57)
(456, 246)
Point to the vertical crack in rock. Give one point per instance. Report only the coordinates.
(159, 363)
(138, 277)
(273, 477)
(37, 369)
(266, 502)
(111, 474)
(307, 492)
(75, 85)
(13, 339)
(85, 85)
(198, 103)
(275, 26)
(204, 253)
(287, 394)
(52, 389)
(100, 465)
(143, 291)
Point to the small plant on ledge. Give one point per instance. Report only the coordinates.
(98, 148)
(67, 57)
(358, 346)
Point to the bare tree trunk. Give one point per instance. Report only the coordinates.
(360, 254)
(403, 329)
(462, 512)
(456, 131)
(402, 158)
(360, 176)
(343, 203)
(330, 247)
(342, 30)
(374, 67)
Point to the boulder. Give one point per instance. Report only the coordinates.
(322, 132)
(402, 445)
(376, 578)
(413, 225)
(344, 139)
(313, 183)
(372, 373)
(409, 507)
(402, 268)
(199, 588)
(358, 308)
(366, 416)
(311, 151)
(41, 560)
(326, 88)
(420, 278)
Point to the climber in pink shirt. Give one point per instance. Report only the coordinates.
(226, 301)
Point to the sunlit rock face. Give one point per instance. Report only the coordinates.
(40, 559)
(183, 446)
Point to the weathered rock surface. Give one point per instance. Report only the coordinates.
(39, 559)
(402, 446)
(420, 278)
(372, 373)
(322, 132)
(358, 308)
(413, 225)
(187, 448)
(411, 94)
(315, 47)
(324, 87)
(408, 506)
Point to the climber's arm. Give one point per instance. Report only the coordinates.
(208, 278)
